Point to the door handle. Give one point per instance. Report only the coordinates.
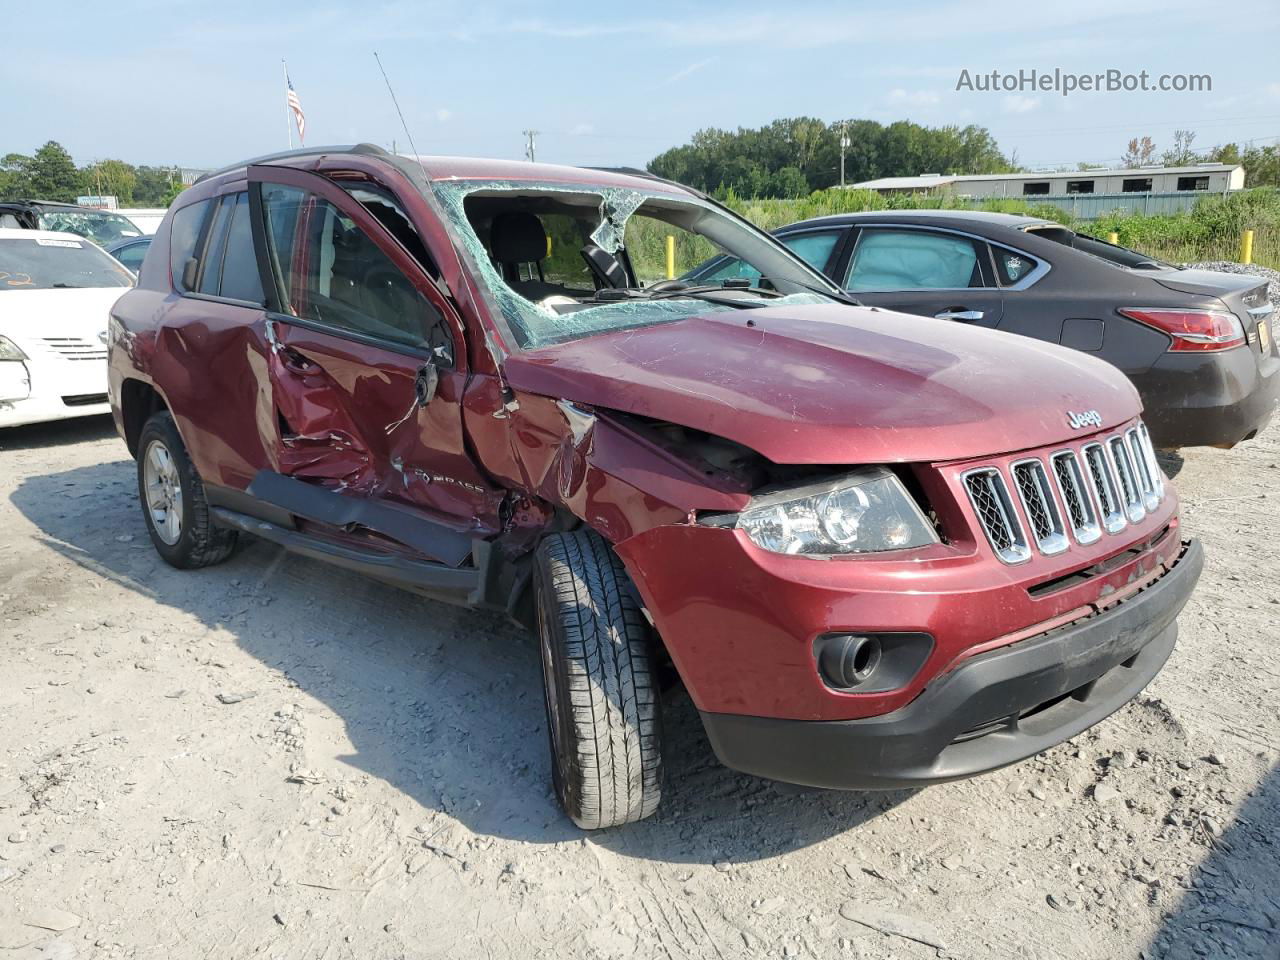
(965, 316)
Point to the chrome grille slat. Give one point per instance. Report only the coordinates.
(994, 508)
(1157, 474)
(1104, 488)
(1142, 468)
(1118, 451)
(1041, 508)
(1075, 495)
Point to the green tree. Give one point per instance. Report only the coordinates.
(1181, 154)
(111, 178)
(788, 183)
(750, 162)
(15, 176)
(156, 186)
(52, 175)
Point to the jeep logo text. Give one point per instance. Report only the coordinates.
(1086, 418)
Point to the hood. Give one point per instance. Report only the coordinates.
(834, 384)
(33, 315)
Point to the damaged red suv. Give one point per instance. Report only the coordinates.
(877, 550)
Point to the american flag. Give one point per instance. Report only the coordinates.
(292, 99)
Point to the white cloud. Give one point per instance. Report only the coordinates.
(1273, 91)
(914, 98)
(1017, 103)
(686, 71)
(444, 114)
(582, 129)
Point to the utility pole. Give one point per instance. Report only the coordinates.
(529, 145)
(844, 145)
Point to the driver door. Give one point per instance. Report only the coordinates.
(366, 362)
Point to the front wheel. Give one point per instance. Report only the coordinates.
(173, 501)
(603, 715)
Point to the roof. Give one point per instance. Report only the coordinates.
(929, 181)
(44, 203)
(476, 168)
(1013, 221)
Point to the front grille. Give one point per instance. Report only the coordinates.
(1123, 464)
(1040, 506)
(990, 498)
(1103, 486)
(1071, 486)
(76, 348)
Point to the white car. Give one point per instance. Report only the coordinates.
(56, 290)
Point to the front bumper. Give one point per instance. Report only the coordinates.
(1209, 399)
(990, 711)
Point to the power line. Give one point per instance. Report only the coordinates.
(530, 146)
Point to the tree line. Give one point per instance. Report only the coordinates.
(51, 174)
(1261, 163)
(794, 157)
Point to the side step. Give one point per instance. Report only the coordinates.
(435, 580)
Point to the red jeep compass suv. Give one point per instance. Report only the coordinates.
(878, 551)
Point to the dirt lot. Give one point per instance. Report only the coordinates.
(274, 758)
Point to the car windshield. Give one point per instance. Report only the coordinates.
(43, 263)
(563, 261)
(101, 227)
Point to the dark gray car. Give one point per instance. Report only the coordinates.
(1197, 344)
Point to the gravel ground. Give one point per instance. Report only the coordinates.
(275, 758)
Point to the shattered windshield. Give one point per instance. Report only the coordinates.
(563, 261)
(99, 226)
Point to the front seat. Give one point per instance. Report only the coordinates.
(517, 238)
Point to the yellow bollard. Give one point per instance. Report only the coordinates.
(1113, 238)
(671, 257)
(1246, 247)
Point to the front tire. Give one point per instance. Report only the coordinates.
(173, 502)
(603, 714)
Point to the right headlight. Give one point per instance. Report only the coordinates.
(10, 350)
(866, 511)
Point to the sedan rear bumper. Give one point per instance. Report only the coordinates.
(992, 710)
(1209, 399)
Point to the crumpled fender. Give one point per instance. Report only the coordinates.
(607, 475)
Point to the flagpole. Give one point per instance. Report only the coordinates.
(288, 115)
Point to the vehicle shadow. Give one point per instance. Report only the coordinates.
(34, 436)
(1231, 907)
(443, 703)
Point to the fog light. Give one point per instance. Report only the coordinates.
(847, 661)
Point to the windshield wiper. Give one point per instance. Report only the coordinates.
(709, 292)
(66, 286)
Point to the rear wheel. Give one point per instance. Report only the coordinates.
(603, 715)
(173, 501)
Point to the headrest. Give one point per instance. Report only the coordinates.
(517, 237)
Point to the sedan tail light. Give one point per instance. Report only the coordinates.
(1193, 329)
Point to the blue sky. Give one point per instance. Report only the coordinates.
(201, 84)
